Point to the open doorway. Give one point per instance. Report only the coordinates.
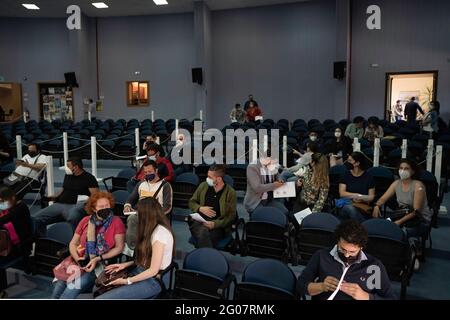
(10, 101)
(402, 86)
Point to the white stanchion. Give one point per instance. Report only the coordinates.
(376, 152)
(356, 145)
(89, 116)
(201, 115)
(19, 147)
(430, 150)
(25, 117)
(94, 156)
(438, 166)
(50, 176)
(176, 128)
(254, 158)
(153, 116)
(137, 140)
(266, 143)
(157, 140)
(284, 151)
(404, 148)
(66, 151)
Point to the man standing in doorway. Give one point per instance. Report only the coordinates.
(411, 109)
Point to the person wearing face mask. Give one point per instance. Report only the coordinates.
(338, 148)
(294, 172)
(314, 185)
(358, 185)
(373, 130)
(215, 201)
(154, 185)
(28, 169)
(430, 120)
(68, 203)
(411, 195)
(262, 180)
(355, 129)
(155, 153)
(313, 137)
(97, 238)
(15, 219)
(320, 278)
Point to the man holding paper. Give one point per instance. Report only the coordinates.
(214, 204)
(346, 272)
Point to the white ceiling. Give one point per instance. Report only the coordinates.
(57, 8)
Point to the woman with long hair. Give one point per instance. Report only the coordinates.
(314, 184)
(154, 251)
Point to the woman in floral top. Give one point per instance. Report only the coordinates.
(315, 184)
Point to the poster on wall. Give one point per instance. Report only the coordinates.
(56, 102)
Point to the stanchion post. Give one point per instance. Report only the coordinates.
(137, 139)
(430, 150)
(50, 176)
(19, 147)
(284, 151)
(94, 156)
(376, 152)
(404, 148)
(438, 166)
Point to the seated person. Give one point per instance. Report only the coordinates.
(153, 186)
(357, 185)
(314, 185)
(156, 153)
(237, 114)
(154, 252)
(27, 170)
(150, 139)
(253, 111)
(355, 129)
(320, 278)
(262, 180)
(98, 237)
(411, 195)
(373, 130)
(294, 172)
(215, 201)
(339, 148)
(5, 151)
(313, 136)
(15, 219)
(77, 182)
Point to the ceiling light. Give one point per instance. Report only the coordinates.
(100, 5)
(160, 2)
(30, 6)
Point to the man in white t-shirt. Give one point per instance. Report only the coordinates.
(29, 168)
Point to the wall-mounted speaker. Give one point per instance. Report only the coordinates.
(340, 70)
(71, 79)
(197, 75)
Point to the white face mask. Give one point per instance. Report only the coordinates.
(337, 134)
(4, 205)
(153, 158)
(404, 174)
(69, 172)
(210, 182)
(313, 138)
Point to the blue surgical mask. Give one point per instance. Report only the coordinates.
(4, 205)
(210, 182)
(150, 177)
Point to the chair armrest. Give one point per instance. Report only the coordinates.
(170, 268)
(226, 285)
(106, 179)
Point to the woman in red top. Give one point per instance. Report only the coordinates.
(253, 111)
(98, 237)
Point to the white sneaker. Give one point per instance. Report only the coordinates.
(416, 265)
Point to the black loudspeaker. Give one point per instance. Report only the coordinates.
(197, 75)
(340, 70)
(71, 80)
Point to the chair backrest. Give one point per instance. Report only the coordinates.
(126, 173)
(384, 229)
(269, 215)
(61, 232)
(272, 273)
(320, 221)
(228, 180)
(120, 196)
(188, 177)
(207, 260)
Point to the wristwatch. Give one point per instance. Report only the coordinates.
(129, 281)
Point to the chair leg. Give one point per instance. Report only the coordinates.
(403, 288)
(3, 279)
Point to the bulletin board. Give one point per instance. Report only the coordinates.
(56, 101)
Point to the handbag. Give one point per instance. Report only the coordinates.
(68, 269)
(363, 207)
(104, 279)
(5, 243)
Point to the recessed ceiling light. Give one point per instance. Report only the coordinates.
(30, 6)
(100, 5)
(160, 2)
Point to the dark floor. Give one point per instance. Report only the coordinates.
(431, 281)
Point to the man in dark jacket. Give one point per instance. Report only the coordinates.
(346, 272)
(411, 109)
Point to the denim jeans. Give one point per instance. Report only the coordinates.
(206, 238)
(146, 289)
(72, 213)
(350, 212)
(287, 176)
(62, 291)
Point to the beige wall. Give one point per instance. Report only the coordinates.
(10, 98)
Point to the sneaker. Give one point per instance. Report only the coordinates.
(416, 265)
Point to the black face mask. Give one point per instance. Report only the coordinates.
(32, 154)
(104, 213)
(348, 260)
(349, 166)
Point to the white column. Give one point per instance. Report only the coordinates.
(254, 158)
(356, 145)
(137, 139)
(404, 148)
(94, 156)
(430, 150)
(284, 151)
(376, 153)
(19, 147)
(438, 166)
(153, 116)
(66, 149)
(50, 176)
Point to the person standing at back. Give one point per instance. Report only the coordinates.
(411, 109)
(247, 103)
